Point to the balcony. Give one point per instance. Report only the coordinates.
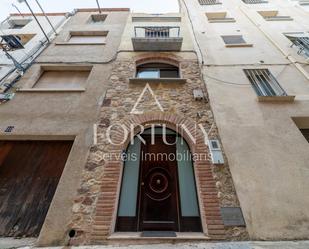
(157, 39)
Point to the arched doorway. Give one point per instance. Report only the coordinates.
(158, 190)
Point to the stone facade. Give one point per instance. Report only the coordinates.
(95, 206)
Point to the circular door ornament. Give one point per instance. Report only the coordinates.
(157, 184)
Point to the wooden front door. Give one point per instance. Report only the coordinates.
(158, 195)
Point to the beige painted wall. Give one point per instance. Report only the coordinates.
(267, 154)
(47, 115)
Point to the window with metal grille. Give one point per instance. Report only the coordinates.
(301, 42)
(208, 2)
(157, 70)
(305, 133)
(157, 32)
(264, 83)
(254, 1)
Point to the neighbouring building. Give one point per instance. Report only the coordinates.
(125, 196)
(32, 38)
(47, 128)
(254, 58)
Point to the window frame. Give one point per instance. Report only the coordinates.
(242, 42)
(155, 67)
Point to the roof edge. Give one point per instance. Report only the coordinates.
(40, 14)
(103, 9)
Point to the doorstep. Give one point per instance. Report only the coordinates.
(182, 236)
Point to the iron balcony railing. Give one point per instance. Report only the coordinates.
(157, 32)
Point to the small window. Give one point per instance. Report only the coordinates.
(254, 1)
(18, 23)
(62, 79)
(87, 38)
(98, 18)
(273, 15)
(264, 83)
(155, 71)
(209, 2)
(25, 38)
(235, 41)
(218, 17)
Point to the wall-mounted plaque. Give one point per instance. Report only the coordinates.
(232, 216)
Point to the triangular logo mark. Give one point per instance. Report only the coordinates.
(146, 88)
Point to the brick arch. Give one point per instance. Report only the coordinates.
(157, 58)
(107, 204)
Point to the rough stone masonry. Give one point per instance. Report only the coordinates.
(94, 215)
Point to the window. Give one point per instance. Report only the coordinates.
(155, 71)
(273, 15)
(18, 23)
(218, 17)
(98, 18)
(235, 41)
(208, 2)
(25, 38)
(62, 79)
(87, 37)
(301, 41)
(264, 83)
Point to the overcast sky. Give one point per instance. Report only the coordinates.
(147, 6)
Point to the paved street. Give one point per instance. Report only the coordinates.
(6, 243)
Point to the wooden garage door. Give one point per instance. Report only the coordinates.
(29, 175)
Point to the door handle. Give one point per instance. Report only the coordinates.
(142, 183)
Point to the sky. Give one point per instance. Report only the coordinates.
(146, 6)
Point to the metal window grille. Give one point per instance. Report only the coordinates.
(302, 43)
(208, 2)
(264, 83)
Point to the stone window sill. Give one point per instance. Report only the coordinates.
(51, 90)
(80, 43)
(239, 45)
(221, 20)
(276, 98)
(279, 19)
(159, 80)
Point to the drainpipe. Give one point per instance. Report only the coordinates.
(288, 56)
